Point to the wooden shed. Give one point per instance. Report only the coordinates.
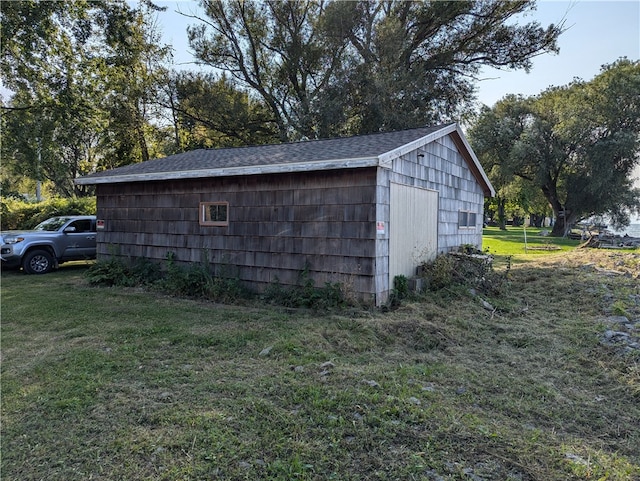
(358, 210)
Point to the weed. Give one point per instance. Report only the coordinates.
(401, 286)
(619, 308)
(306, 294)
(110, 272)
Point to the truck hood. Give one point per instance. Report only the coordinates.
(25, 233)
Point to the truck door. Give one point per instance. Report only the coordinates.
(81, 239)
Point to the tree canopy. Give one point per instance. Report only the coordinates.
(578, 144)
(83, 75)
(92, 86)
(326, 68)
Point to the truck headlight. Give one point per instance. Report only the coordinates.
(13, 239)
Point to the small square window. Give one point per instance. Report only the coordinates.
(214, 213)
(466, 219)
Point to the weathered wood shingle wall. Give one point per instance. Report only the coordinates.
(440, 166)
(278, 225)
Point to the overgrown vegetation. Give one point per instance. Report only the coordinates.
(146, 386)
(193, 280)
(466, 268)
(21, 214)
(197, 280)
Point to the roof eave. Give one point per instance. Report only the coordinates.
(387, 158)
(231, 171)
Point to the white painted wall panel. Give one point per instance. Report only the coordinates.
(413, 229)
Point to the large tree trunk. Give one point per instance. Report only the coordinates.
(502, 217)
(560, 225)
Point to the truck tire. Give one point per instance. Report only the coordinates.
(37, 262)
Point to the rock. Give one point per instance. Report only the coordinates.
(266, 351)
(327, 365)
(614, 336)
(486, 305)
(414, 400)
(617, 319)
(371, 383)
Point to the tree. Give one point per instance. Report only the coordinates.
(491, 137)
(49, 125)
(353, 67)
(208, 111)
(134, 61)
(82, 75)
(578, 144)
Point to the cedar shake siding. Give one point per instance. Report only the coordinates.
(278, 225)
(440, 166)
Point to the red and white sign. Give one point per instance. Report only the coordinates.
(100, 224)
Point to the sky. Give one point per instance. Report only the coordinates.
(597, 33)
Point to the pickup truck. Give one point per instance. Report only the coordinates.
(50, 243)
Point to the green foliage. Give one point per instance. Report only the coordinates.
(213, 112)
(577, 145)
(84, 79)
(401, 286)
(110, 272)
(193, 280)
(321, 67)
(18, 214)
(305, 294)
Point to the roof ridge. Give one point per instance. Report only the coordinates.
(324, 139)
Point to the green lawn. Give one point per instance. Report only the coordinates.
(512, 242)
(123, 384)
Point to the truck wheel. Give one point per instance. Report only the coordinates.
(37, 262)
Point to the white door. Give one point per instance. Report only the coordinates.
(413, 229)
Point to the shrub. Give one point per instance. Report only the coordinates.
(193, 280)
(305, 294)
(189, 281)
(20, 214)
(110, 272)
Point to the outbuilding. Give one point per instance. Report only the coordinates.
(358, 210)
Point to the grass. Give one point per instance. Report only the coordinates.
(114, 383)
(511, 242)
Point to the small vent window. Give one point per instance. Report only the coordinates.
(214, 213)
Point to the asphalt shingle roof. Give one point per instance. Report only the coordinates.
(362, 146)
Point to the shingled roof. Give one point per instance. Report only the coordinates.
(360, 151)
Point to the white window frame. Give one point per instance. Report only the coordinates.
(467, 219)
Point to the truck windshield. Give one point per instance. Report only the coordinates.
(52, 224)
